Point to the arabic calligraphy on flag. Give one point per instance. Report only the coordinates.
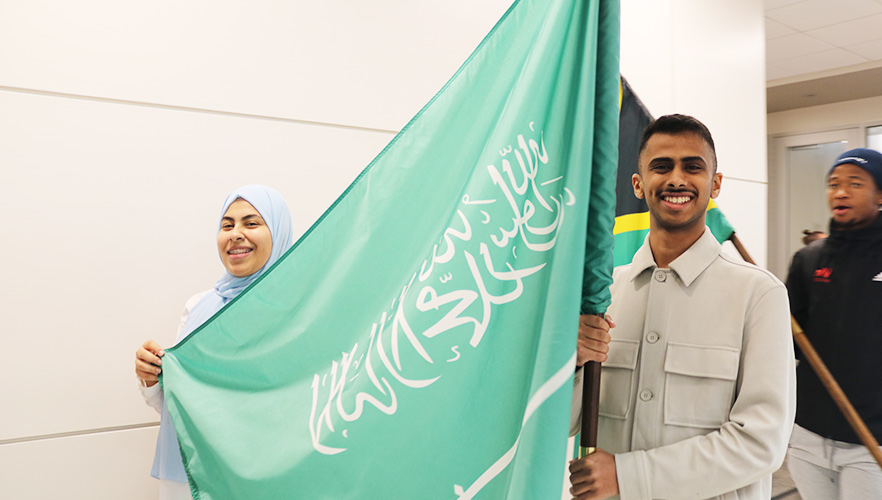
(502, 234)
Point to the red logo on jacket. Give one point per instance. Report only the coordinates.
(823, 274)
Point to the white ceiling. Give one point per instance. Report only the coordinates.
(822, 51)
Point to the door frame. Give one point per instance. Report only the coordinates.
(779, 194)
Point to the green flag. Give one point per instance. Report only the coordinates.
(632, 215)
(419, 340)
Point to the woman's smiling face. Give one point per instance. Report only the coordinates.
(244, 241)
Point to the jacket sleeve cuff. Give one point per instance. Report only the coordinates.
(150, 392)
(631, 476)
(152, 395)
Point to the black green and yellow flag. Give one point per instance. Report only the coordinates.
(419, 341)
(632, 215)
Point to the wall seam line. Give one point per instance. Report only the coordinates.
(740, 179)
(84, 432)
(188, 109)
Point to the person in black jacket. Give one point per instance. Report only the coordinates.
(835, 287)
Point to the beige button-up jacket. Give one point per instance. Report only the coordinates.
(698, 394)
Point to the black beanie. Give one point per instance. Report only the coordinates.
(868, 159)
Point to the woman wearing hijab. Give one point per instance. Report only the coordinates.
(254, 231)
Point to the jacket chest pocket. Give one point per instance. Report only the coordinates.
(617, 378)
(699, 384)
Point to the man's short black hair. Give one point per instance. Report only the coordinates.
(676, 125)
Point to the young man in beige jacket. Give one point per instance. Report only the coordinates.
(697, 391)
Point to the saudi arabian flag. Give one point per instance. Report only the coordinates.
(632, 215)
(419, 341)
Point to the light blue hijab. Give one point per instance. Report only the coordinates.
(167, 462)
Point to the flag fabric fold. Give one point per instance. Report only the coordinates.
(419, 340)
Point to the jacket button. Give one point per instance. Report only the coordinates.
(660, 276)
(645, 395)
(652, 337)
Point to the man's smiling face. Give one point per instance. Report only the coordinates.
(677, 177)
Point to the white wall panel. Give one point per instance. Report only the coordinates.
(647, 52)
(719, 70)
(115, 211)
(371, 64)
(745, 204)
(108, 466)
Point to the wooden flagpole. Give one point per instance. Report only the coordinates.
(817, 364)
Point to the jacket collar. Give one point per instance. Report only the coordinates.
(870, 234)
(688, 266)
